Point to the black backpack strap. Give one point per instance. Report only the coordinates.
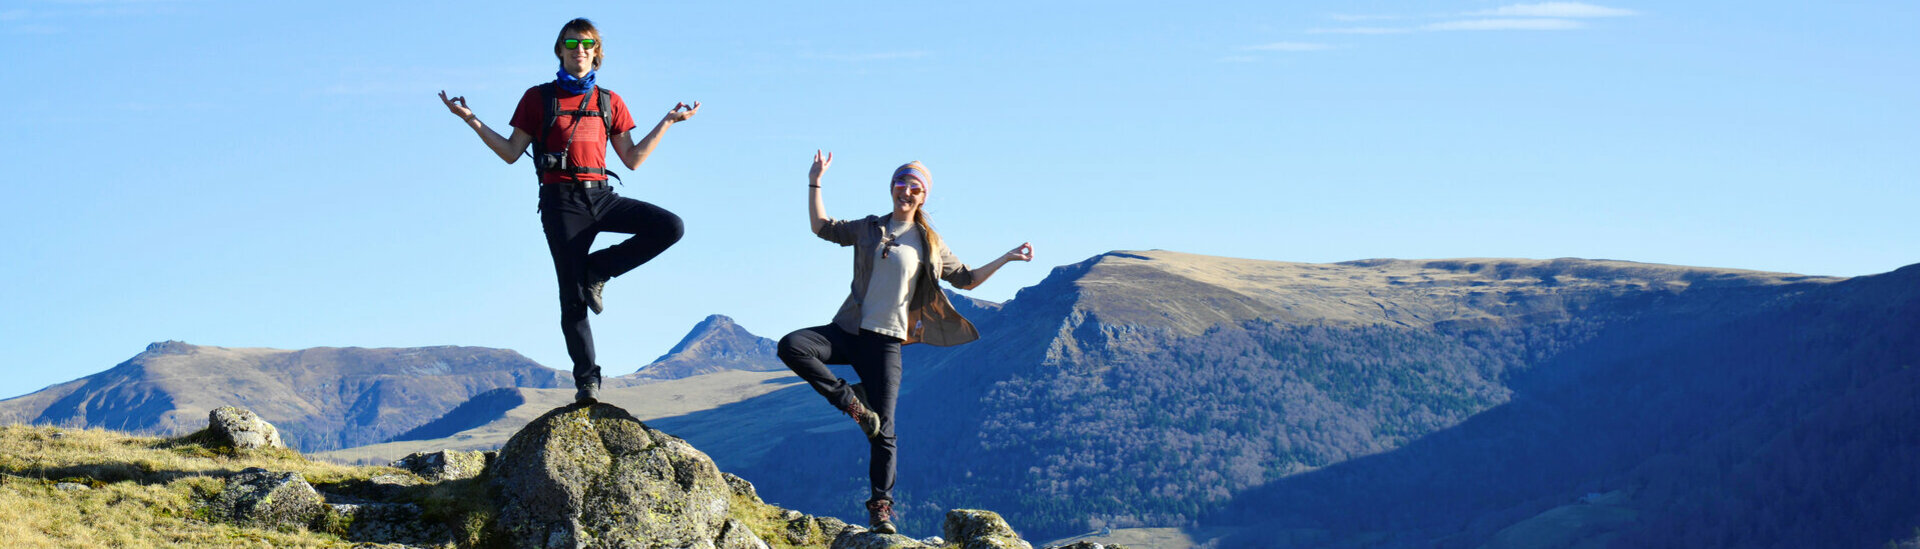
(606, 110)
(552, 99)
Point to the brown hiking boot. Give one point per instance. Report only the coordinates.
(869, 421)
(586, 391)
(594, 286)
(880, 516)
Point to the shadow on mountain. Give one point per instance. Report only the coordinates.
(482, 409)
(1788, 425)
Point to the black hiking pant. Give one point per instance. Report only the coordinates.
(572, 217)
(876, 359)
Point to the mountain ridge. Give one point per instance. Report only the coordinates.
(324, 397)
(1154, 388)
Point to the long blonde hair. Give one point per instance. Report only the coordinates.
(926, 231)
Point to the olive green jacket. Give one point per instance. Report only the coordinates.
(930, 317)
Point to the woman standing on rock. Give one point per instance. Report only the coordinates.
(575, 203)
(898, 261)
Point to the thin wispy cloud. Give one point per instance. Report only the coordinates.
(876, 56)
(1555, 9)
(1505, 24)
(1361, 30)
(1541, 16)
(1538, 16)
(1289, 46)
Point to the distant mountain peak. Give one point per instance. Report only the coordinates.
(715, 343)
(170, 347)
(713, 328)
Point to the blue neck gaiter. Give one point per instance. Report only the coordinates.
(575, 85)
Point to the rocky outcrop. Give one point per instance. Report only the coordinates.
(241, 429)
(444, 464)
(594, 476)
(964, 529)
(258, 497)
(974, 529)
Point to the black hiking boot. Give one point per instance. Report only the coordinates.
(861, 412)
(595, 285)
(586, 392)
(880, 516)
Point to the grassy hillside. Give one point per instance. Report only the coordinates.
(140, 491)
(100, 488)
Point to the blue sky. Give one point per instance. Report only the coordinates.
(282, 175)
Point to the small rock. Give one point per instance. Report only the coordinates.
(736, 535)
(242, 429)
(1080, 545)
(833, 527)
(444, 465)
(390, 479)
(933, 540)
(72, 487)
(973, 529)
(740, 486)
(260, 497)
(798, 529)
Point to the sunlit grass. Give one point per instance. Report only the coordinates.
(141, 491)
(152, 492)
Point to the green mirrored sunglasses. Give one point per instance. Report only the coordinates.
(573, 44)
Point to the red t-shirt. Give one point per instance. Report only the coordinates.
(589, 143)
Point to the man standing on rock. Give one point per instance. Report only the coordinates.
(575, 202)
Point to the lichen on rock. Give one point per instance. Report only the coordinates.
(595, 476)
(260, 497)
(241, 429)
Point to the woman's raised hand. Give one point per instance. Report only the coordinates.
(681, 112)
(458, 105)
(1023, 252)
(820, 165)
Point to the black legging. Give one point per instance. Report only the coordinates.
(572, 217)
(876, 359)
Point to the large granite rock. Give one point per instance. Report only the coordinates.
(241, 429)
(594, 476)
(258, 497)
